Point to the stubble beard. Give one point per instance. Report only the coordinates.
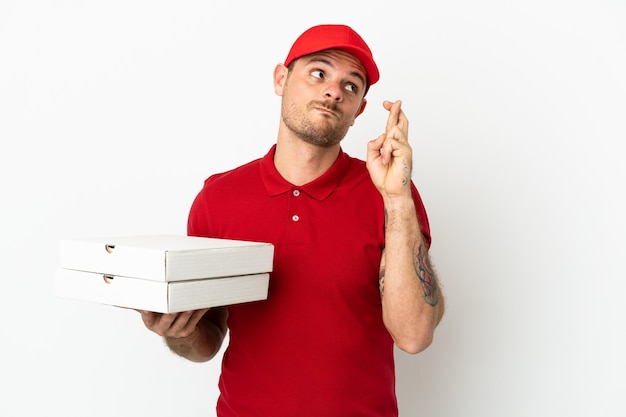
(324, 135)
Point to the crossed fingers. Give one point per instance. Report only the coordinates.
(397, 123)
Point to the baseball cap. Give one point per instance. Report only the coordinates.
(321, 37)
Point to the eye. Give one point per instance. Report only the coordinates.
(318, 74)
(353, 88)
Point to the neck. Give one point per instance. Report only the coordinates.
(299, 162)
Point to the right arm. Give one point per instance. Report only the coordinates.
(195, 335)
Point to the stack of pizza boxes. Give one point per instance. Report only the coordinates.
(163, 273)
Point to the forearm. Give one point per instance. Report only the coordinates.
(411, 297)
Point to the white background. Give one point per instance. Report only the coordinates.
(112, 113)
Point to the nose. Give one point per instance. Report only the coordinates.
(333, 91)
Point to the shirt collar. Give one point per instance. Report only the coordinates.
(320, 188)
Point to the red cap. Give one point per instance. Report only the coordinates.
(321, 37)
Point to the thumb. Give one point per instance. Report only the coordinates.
(374, 146)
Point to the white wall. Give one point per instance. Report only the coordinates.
(113, 113)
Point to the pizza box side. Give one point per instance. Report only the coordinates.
(166, 257)
(161, 297)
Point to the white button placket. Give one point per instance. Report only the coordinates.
(295, 217)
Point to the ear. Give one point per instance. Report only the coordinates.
(280, 75)
(360, 110)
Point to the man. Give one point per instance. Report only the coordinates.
(351, 276)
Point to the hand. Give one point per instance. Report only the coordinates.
(180, 324)
(389, 157)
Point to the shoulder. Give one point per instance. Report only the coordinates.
(244, 171)
(356, 172)
(358, 178)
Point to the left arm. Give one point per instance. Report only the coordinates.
(411, 298)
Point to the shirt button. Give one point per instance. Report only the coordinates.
(295, 217)
(296, 193)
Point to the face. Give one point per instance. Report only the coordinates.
(321, 96)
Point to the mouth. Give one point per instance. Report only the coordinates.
(326, 110)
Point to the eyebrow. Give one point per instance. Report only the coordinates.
(327, 62)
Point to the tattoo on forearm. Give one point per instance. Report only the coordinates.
(407, 174)
(426, 275)
(381, 281)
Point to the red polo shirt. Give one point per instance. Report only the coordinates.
(317, 346)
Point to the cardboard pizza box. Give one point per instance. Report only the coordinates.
(163, 273)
